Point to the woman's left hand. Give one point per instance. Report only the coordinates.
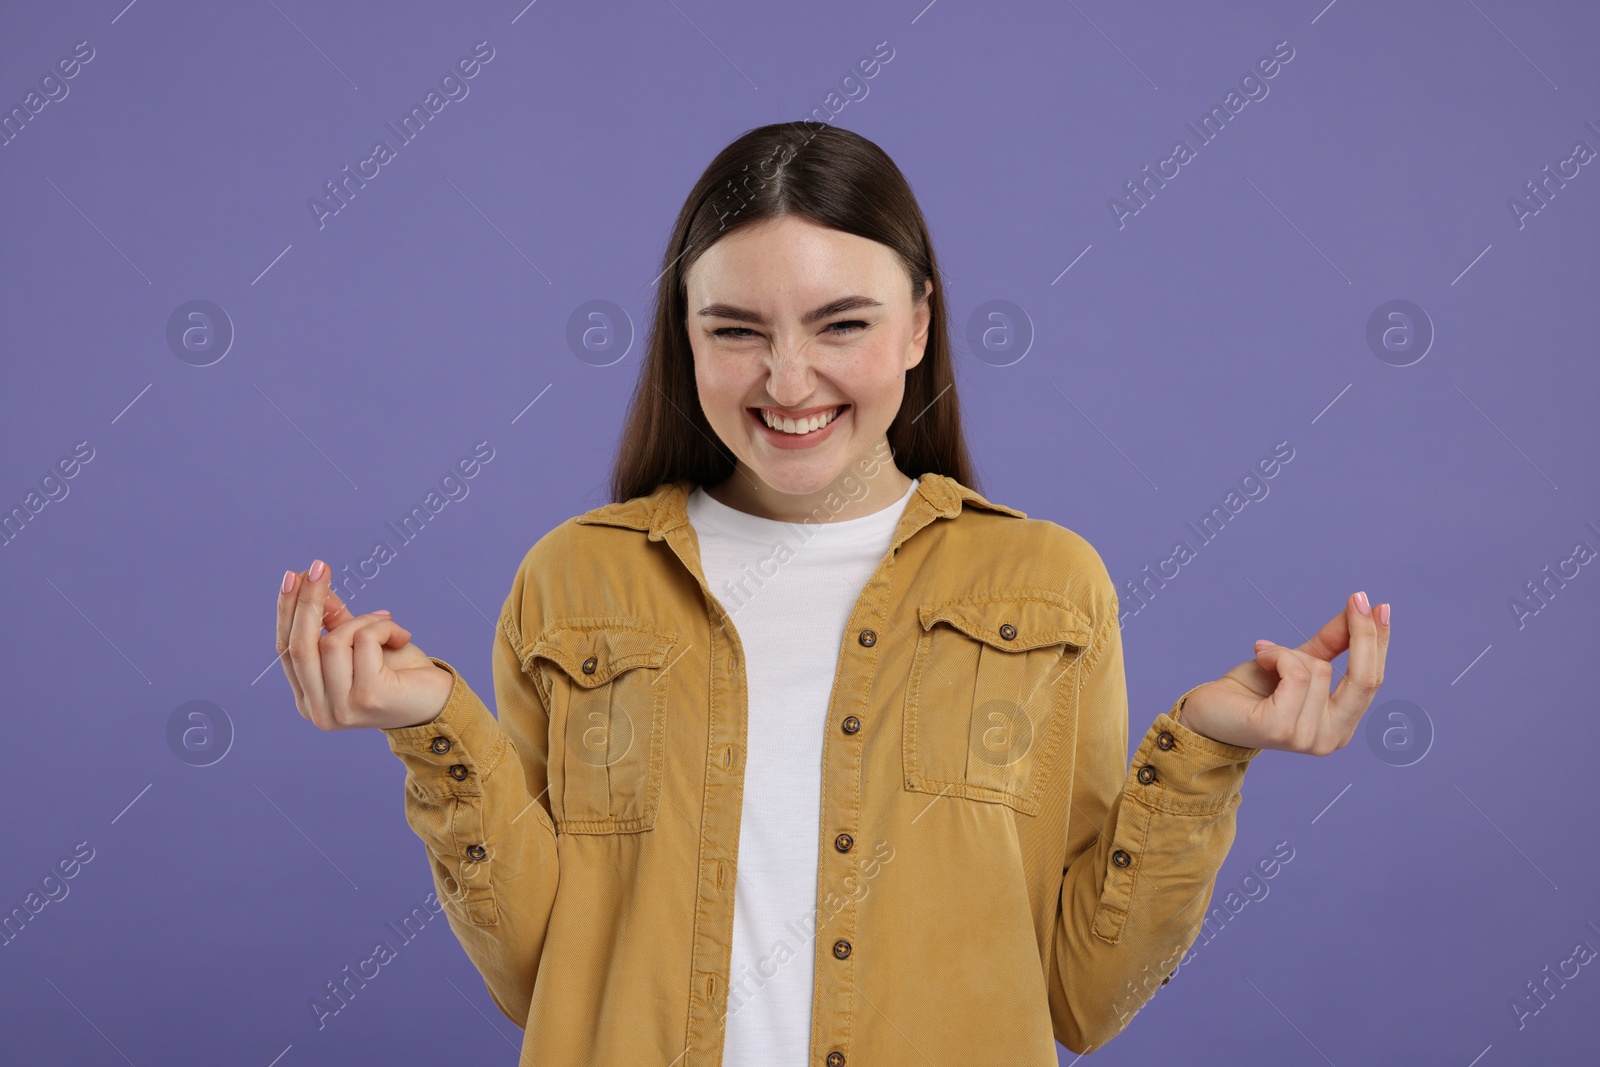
(1280, 699)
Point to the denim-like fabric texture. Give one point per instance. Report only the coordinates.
(995, 876)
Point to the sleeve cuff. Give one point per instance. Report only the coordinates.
(450, 754)
(1178, 770)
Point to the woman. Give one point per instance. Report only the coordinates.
(807, 753)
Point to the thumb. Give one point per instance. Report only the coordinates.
(394, 635)
(1287, 663)
(1292, 667)
(334, 612)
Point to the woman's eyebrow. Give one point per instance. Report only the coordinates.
(845, 303)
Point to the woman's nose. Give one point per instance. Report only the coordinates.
(789, 374)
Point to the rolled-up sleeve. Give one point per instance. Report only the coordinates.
(1152, 835)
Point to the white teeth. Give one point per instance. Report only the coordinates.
(804, 426)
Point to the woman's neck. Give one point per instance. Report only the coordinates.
(859, 496)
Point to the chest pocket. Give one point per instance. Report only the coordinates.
(988, 700)
(607, 722)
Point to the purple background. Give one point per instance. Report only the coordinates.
(370, 354)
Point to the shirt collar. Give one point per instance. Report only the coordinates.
(664, 509)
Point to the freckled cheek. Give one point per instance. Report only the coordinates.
(723, 384)
(873, 376)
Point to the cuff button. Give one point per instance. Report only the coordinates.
(441, 745)
(477, 852)
(1147, 774)
(458, 772)
(1121, 858)
(1165, 740)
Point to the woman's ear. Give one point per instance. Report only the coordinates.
(921, 316)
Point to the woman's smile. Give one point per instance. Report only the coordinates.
(792, 433)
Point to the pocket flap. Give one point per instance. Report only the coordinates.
(596, 651)
(1033, 619)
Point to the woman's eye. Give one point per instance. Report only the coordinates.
(838, 329)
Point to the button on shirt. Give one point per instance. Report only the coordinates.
(788, 589)
(994, 874)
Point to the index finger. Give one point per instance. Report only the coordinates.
(334, 611)
(286, 604)
(291, 583)
(1356, 689)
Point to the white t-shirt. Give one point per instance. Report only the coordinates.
(789, 588)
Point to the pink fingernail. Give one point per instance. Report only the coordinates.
(317, 569)
(381, 611)
(288, 582)
(1383, 614)
(1362, 605)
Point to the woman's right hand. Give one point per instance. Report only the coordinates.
(364, 671)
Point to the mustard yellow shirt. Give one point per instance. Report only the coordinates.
(995, 876)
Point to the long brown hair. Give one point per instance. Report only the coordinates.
(834, 178)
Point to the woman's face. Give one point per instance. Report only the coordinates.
(786, 316)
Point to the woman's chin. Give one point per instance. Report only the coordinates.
(799, 482)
